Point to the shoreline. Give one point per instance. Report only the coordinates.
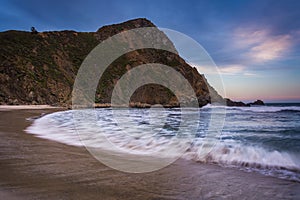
(35, 168)
(28, 107)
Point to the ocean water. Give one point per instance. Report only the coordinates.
(260, 139)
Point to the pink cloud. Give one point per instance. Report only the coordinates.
(245, 37)
(261, 45)
(271, 49)
(233, 69)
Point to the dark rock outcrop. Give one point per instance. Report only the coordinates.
(234, 103)
(241, 104)
(41, 68)
(256, 103)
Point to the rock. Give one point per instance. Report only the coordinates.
(234, 103)
(257, 103)
(15, 102)
(58, 55)
(31, 94)
(239, 103)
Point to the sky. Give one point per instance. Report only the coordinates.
(255, 44)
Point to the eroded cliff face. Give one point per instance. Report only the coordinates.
(41, 68)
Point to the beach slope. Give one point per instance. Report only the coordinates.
(34, 168)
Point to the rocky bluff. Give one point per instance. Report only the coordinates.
(40, 68)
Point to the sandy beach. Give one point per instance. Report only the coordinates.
(34, 168)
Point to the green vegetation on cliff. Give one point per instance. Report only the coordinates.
(40, 68)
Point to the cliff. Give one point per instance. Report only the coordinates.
(40, 68)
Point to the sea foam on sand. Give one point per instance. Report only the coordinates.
(24, 107)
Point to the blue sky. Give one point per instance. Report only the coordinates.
(255, 44)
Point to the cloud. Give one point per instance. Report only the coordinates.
(260, 46)
(250, 74)
(246, 37)
(271, 49)
(231, 70)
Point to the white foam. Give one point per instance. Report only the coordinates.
(60, 127)
(48, 128)
(247, 156)
(256, 108)
(24, 107)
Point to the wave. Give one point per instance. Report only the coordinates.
(263, 109)
(60, 127)
(56, 126)
(289, 110)
(251, 158)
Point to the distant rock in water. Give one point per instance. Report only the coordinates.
(256, 103)
(234, 103)
(241, 104)
(41, 68)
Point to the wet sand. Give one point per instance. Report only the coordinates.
(34, 168)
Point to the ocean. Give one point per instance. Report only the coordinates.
(258, 139)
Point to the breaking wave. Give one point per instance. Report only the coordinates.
(234, 149)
